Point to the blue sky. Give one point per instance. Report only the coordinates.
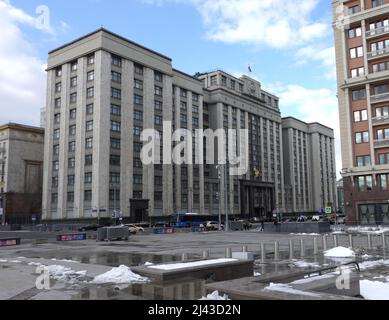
(288, 44)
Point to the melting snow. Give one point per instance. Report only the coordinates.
(257, 274)
(373, 230)
(304, 264)
(311, 279)
(175, 266)
(280, 287)
(374, 290)
(119, 275)
(215, 296)
(373, 264)
(339, 252)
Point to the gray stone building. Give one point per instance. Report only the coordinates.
(309, 166)
(104, 90)
(21, 171)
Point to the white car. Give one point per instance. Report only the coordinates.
(213, 225)
(134, 229)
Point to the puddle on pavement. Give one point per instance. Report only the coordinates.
(183, 290)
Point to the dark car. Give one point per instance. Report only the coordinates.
(90, 227)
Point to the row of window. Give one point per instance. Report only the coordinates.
(365, 183)
(74, 65)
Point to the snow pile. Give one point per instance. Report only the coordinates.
(175, 266)
(119, 275)
(305, 234)
(304, 264)
(257, 274)
(1, 260)
(374, 290)
(215, 296)
(62, 273)
(148, 264)
(315, 278)
(15, 261)
(372, 230)
(340, 252)
(64, 260)
(373, 264)
(280, 287)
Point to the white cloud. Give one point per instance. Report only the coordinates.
(273, 23)
(311, 105)
(22, 75)
(325, 57)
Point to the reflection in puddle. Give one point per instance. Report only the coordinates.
(183, 290)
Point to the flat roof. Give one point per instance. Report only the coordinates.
(306, 123)
(22, 127)
(113, 34)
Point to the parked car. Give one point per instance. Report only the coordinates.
(341, 219)
(90, 227)
(134, 229)
(213, 225)
(315, 218)
(302, 219)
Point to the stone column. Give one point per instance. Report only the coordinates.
(177, 191)
(127, 138)
(201, 166)
(190, 150)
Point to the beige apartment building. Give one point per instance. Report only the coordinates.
(361, 30)
(104, 90)
(309, 166)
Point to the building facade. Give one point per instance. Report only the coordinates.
(309, 166)
(104, 90)
(21, 172)
(363, 80)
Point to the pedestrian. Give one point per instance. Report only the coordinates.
(262, 225)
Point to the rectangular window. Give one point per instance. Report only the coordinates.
(91, 76)
(70, 197)
(158, 105)
(57, 118)
(72, 146)
(90, 92)
(56, 134)
(72, 114)
(138, 69)
(73, 97)
(138, 84)
(138, 100)
(138, 179)
(88, 178)
(115, 144)
(116, 76)
(73, 82)
(58, 72)
(74, 66)
(383, 178)
(88, 195)
(116, 93)
(55, 165)
(72, 130)
(89, 143)
(88, 160)
(158, 76)
(183, 105)
(213, 80)
(195, 97)
(114, 177)
(89, 109)
(158, 91)
(89, 126)
(58, 87)
(116, 61)
(71, 163)
(56, 150)
(158, 120)
(114, 160)
(115, 110)
(138, 115)
(57, 103)
(137, 147)
(137, 131)
(114, 195)
(115, 126)
(91, 59)
(71, 180)
(54, 198)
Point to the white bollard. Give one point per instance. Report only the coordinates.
(276, 250)
(325, 242)
(263, 253)
(245, 249)
(205, 254)
(291, 249)
(351, 240)
(184, 257)
(228, 253)
(335, 240)
(369, 242)
(302, 247)
(315, 246)
(383, 241)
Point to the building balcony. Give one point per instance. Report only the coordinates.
(378, 54)
(379, 97)
(384, 143)
(377, 32)
(380, 120)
